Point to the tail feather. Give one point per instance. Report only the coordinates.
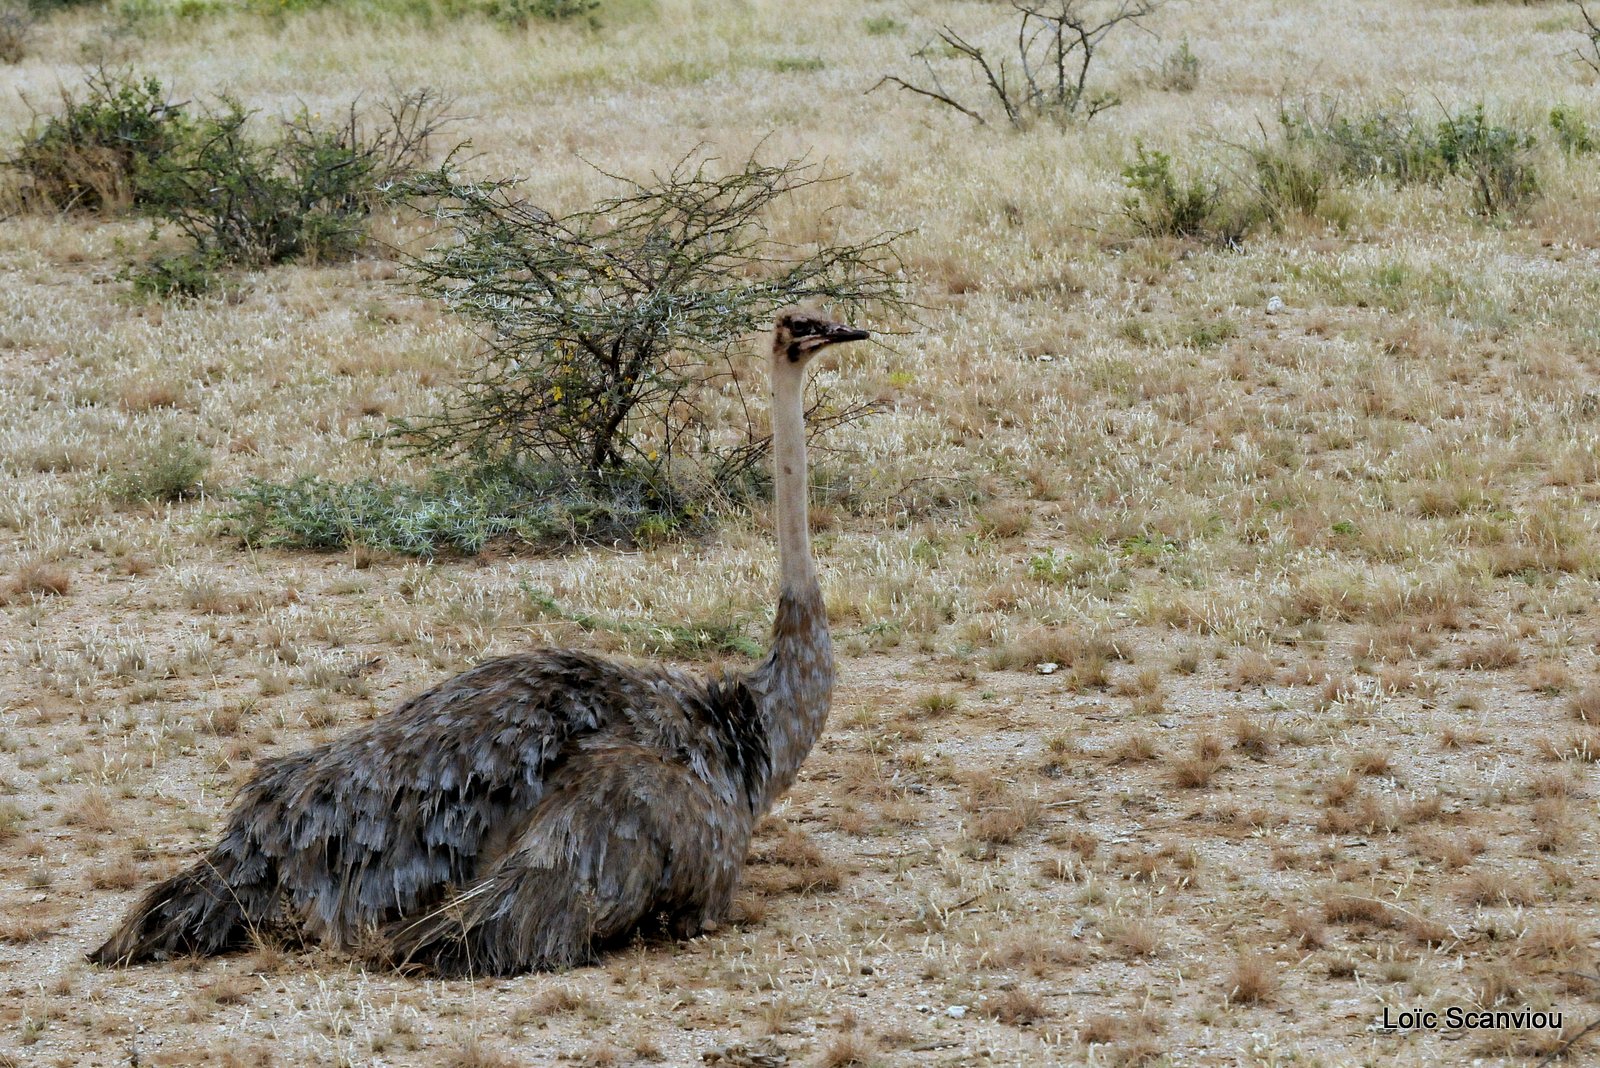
(194, 912)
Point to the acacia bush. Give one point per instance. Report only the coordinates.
(616, 337)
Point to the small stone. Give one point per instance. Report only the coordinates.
(1274, 305)
(866, 969)
(955, 1012)
(1048, 667)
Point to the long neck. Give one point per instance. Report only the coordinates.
(794, 686)
(796, 568)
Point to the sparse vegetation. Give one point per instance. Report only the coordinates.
(170, 471)
(1215, 619)
(1397, 144)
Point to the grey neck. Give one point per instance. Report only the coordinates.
(796, 568)
(795, 684)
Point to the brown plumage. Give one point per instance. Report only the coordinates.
(528, 811)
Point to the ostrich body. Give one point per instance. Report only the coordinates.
(533, 808)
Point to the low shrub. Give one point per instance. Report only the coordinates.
(1396, 145)
(171, 471)
(183, 274)
(1162, 203)
(1290, 179)
(1496, 160)
(16, 26)
(1180, 70)
(522, 12)
(89, 156)
(458, 510)
(1573, 134)
(306, 194)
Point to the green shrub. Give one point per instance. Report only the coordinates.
(307, 194)
(1395, 145)
(454, 511)
(170, 471)
(185, 274)
(90, 155)
(1384, 142)
(1289, 179)
(1160, 203)
(1573, 133)
(1497, 160)
(1180, 70)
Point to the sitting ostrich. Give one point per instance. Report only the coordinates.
(536, 807)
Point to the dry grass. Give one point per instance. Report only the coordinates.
(846, 1050)
(35, 581)
(1318, 585)
(1251, 980)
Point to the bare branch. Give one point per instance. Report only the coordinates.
(901, 83)
(1054, 49)
(1591, 30)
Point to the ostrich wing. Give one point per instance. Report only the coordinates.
(622, 834)
(380, 821)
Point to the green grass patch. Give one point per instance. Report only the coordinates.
(456, 512)
(693, 640)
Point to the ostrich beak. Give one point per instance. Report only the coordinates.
(832, 334)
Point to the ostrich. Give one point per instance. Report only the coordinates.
(534, 808)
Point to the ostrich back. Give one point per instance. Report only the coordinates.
(386, 819)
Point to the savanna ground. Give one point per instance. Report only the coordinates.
(1319, 585)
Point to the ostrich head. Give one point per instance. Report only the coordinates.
(800, 333)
